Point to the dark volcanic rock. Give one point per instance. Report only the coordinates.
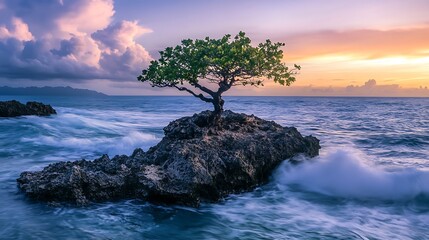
(14, 109)
(194, 161)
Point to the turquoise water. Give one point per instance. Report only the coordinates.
(371, 180)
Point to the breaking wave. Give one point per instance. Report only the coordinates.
(91, 131)
(347, 173)
(112, 146)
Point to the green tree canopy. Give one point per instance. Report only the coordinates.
(224, 62)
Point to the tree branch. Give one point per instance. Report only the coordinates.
(225, 85)
(202, 88)
(200, 96)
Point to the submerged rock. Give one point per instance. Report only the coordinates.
(14, 109)
(195, 161)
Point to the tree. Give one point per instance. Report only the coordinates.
(224, 62)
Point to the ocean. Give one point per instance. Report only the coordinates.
(371, 180)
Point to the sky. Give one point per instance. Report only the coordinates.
(345, 48)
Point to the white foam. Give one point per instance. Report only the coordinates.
(348, 173)
(68, 119)
(114, 145)
(91, 132)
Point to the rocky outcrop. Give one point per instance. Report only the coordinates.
(195, 161)
(15, 109)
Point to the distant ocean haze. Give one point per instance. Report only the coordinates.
(48, 91)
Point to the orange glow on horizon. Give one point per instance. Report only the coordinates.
(340, 59)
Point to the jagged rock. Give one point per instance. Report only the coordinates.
(14, 109)
(195, 161)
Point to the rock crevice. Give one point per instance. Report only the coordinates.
(195, 161)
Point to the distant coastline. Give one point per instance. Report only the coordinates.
(49, 91)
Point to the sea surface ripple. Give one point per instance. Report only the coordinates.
(371, 180)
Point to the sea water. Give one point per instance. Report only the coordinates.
(371, 180)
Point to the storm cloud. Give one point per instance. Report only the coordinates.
(68, 39)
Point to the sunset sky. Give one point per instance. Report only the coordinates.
(345, 48)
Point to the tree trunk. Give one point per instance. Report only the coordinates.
(218, 109)
(218, 104)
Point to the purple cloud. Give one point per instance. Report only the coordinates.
(75, 40)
